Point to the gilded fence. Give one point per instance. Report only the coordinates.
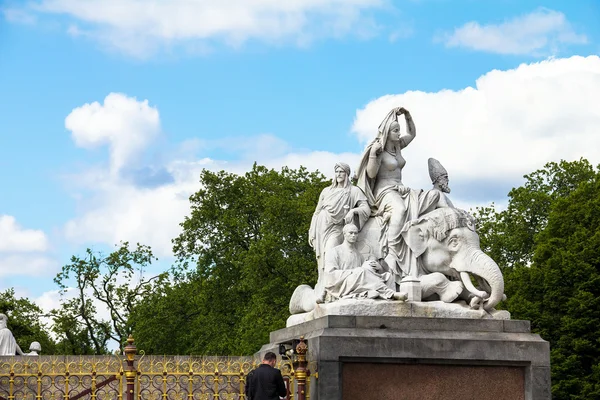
(53, 378)
(140, 377)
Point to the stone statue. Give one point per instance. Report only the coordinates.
(8, 344)
(34, 349)
(446, 243)
(351, 274)
(339, 204)
(440, 181)
(409, 240)
(380, 178)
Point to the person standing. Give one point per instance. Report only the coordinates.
(266, 382)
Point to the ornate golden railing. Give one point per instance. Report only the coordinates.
(140, 377)
(70, 378)
(181, 378)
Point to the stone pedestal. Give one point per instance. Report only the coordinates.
(412, 287)
(376, 357)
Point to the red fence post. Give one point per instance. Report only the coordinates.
(131, 372)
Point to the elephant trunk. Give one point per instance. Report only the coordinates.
(478, 263)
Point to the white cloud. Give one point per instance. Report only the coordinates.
(119, 211)
(23, 252)
(511, 123)
(542, 30)
(13, 238)
(139, 26)
(124, 123)
(26, 265)
(143, 205)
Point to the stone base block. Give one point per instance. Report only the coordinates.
(391, 308)
(376, 357)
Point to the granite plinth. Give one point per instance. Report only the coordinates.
(390, 308)
(449, 348)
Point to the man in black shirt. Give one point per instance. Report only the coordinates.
(266, 382)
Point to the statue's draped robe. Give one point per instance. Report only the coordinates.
(346, 277)
(417, 203)
(8, 344)
(328, 220)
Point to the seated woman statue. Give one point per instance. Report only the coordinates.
(338, 204)
(352, 274)
(380, 178)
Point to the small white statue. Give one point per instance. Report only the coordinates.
(34, 349)
(8, 344)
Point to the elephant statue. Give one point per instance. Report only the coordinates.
(446, 245)
(445, 248)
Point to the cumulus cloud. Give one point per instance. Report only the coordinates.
(123, 123)
(139, 26)
(543, 30)
(23, 252)
(14, 238)
(487, 136)
(146, 203)
(511, 123)
(27, 265)
(117, 210)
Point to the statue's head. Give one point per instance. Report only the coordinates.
(389, 129)
(35, 346)
(350, 232)
(3, 321)
(394, 131)
(438, 175)
(342, 175)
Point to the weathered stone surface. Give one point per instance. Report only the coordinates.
(402, 240)
(389, 308)
(335, 341)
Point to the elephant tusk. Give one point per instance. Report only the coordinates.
(475, 302)
(466, 279)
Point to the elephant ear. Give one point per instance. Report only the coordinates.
(416, 237)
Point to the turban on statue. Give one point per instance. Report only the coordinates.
(346, 169)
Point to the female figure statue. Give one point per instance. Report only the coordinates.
(380, 178)
(339, 204)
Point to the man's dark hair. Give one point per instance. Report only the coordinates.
(270, 356)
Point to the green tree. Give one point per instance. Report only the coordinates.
(115, 282)
(560, 292)
(548, 241)
(25, 320)
(242, 252)
(509, 236)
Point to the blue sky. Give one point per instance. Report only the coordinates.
(496, 88)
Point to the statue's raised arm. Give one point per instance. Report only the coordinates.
(380, 178)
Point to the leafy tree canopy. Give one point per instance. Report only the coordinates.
(548, 241)
(241, 253)
(115, 282)
(25, 320)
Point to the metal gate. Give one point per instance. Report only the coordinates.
(142, 377)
